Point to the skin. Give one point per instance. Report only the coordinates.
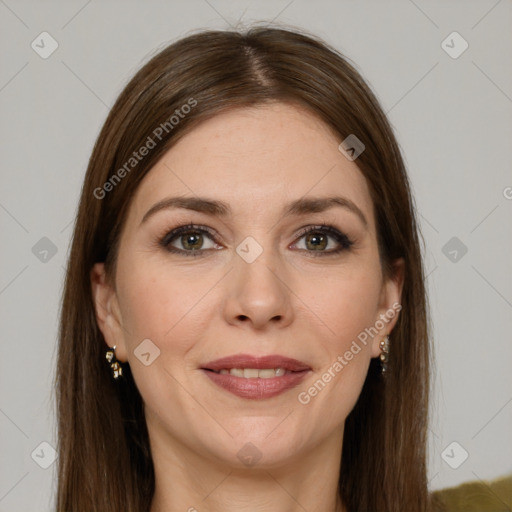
(288, 301)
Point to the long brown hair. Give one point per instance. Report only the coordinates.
(105, 461)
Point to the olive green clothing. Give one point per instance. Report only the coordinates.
(477, 496)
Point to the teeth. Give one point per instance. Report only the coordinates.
(263, 374)
(253, 373)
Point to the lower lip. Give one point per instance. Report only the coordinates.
(257, 388)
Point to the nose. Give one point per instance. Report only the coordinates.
(258, 294)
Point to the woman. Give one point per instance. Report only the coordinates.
(244, 321)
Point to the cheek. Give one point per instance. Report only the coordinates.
(164, 306)
(346, 356)
(345, 307)
(168, 306)
(347, 303)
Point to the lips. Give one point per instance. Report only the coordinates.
(256, 377)
(266, 362)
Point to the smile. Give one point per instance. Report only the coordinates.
(254, 373)
(256, 378)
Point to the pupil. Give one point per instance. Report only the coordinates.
(318, 241)
(192, 241)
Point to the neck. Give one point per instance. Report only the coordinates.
(188, 481)
(232, 491)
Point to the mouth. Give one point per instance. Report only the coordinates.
(248, 362)
(253, 373)
(256, 377)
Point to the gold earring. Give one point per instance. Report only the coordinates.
(110, 356)
(384, 355)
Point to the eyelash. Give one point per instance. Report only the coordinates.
(342, 239)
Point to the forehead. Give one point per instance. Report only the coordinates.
(256, 159)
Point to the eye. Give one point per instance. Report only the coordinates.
(189, 240)
(322, 240)
(194, 240)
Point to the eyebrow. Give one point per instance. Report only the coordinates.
(300, 206)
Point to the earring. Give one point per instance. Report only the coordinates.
(384, 355)
(110, 356)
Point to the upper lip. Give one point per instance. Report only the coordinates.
(257, 362)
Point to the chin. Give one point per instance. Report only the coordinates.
(256, 447)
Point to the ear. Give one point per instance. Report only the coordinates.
(107, 310)
(389, 305)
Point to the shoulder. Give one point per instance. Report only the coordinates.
(477, 496)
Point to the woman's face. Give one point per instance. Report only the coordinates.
(287, 307)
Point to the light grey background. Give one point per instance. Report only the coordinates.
(453, 121)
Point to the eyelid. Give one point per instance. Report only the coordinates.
(176, 232)
(341, 238)
(343, 241)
